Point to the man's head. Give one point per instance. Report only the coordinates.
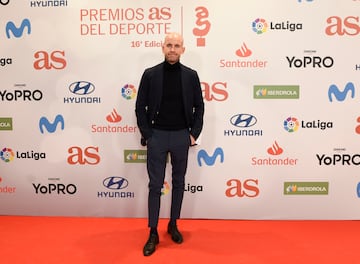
(173, 47)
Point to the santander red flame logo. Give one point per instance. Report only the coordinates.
(203, 25)
(243, 51)
(113, 117)
(275, 149)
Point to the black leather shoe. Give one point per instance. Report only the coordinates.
(175, 234)
(150, 245)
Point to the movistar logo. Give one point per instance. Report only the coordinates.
(18, 31)
(210, 160)
(341, 95)
(51, 126)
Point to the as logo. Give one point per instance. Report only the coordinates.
(80, 156)
(216, 91)
(343, 26)
(203, 25)
(51, 126)
(357, 128)
(18, 31)
(210, 160)
(54, 60)
(341, 95)
(248, 188)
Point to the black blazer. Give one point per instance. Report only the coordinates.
(150, 93)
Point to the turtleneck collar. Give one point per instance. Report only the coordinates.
(168, 66)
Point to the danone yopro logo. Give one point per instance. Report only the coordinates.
(276, 91)
(306, 188)
(6, 123)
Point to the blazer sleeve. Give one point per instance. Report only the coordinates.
(142, 106)
(198, 107)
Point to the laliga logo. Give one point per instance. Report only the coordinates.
(204, 25)
(7, 154)
(165, 189)
(259, 26)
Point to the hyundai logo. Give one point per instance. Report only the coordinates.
(243, 120)
(81, 88)
(115, 183)
(358, 190)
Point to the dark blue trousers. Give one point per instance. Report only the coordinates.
(162, 142)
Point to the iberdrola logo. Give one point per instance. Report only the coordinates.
(261, 92)
(291, 188)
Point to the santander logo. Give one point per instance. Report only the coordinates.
(113, 117)
(275, 149)
(243, 51)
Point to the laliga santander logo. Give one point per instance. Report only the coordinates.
(204, 25)
(259, 26)
(165, 189)
(291, 124)
(128, 91)
(7, 154)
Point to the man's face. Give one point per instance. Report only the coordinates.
(173, 48)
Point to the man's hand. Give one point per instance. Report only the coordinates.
(192, 141)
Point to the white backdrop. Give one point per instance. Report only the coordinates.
(280, 82)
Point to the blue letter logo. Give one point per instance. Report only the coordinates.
(51, 127)
(210, 160)
(10, 26)
(340, 96)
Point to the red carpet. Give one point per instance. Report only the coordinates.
(116, 240)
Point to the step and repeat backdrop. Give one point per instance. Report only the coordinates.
(280, 81)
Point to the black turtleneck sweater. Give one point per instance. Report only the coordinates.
(171, 114)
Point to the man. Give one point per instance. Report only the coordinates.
(169, 111)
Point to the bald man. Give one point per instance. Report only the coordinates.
(169, 110)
